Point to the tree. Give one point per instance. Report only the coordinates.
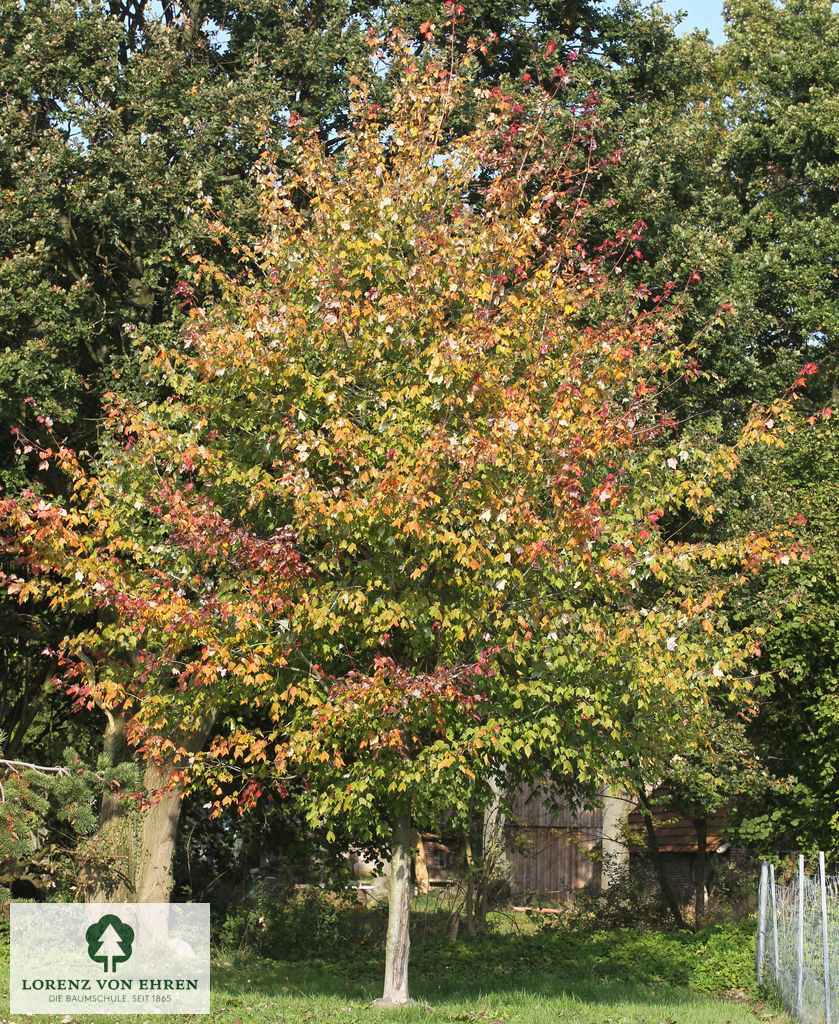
(728, 153)
(46, 814)
(780, 159)
(398, 495)
(797, 681)
(119, 118)
(115, 122)
(720, 774)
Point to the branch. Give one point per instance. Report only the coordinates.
(39, 768)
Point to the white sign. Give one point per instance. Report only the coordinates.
(111, 958)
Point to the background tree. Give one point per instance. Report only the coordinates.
(797, 681)
(114, 122)
(727, 154)
(722, 773)
(46, 815)
(174, 582)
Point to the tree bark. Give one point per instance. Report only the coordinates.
(701, 826)
(116, 751)
(106, 872)
(453, 925)
(494, 850)
(615, 852)
(154, 878)
(655, 853)
(399, 908)
(483, 904)
(157, 842)
(470, 886)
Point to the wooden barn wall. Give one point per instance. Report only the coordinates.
(681, 874)
(548, 849)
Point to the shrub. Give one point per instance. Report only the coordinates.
(284, 923)
(632, 900)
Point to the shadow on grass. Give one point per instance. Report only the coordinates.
(620, 977)
(622, 966)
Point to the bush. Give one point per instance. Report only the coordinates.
(289, 924)
(631, 901)
(727, 960)
(711, 960)
(734, 892)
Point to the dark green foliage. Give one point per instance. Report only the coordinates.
(219, 859)
(779, 160)
(711, 960)
(729, 156)
(286, 923)
(799, 687)
(632, 900)
(111, 137)
(47, 811)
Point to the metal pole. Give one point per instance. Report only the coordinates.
(825, 942)
(776, 958)
(760, 942)
(799, 978)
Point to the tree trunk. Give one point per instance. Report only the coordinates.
(106, 866)
(470, 887)
(483, 906)
(157, 842)
(453, 924)
(701, 826)
(495, 864)
(615, 852)
(399, 908)
(154, 877)
(655, 853)
(116, 751)
(111, 871)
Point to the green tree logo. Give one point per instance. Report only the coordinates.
(109, 941)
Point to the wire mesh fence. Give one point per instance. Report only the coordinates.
(797, 949)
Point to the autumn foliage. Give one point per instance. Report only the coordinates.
(406, 510)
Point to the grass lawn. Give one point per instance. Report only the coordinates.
(527, 977)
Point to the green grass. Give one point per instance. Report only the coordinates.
(514, 977)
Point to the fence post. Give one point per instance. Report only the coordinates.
(776, 960)
(760, 942)
(799, 966)
(825, 939)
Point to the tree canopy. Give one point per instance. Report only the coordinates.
(398, 513)
(336, 490)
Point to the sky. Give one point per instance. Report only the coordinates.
(700, 14)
